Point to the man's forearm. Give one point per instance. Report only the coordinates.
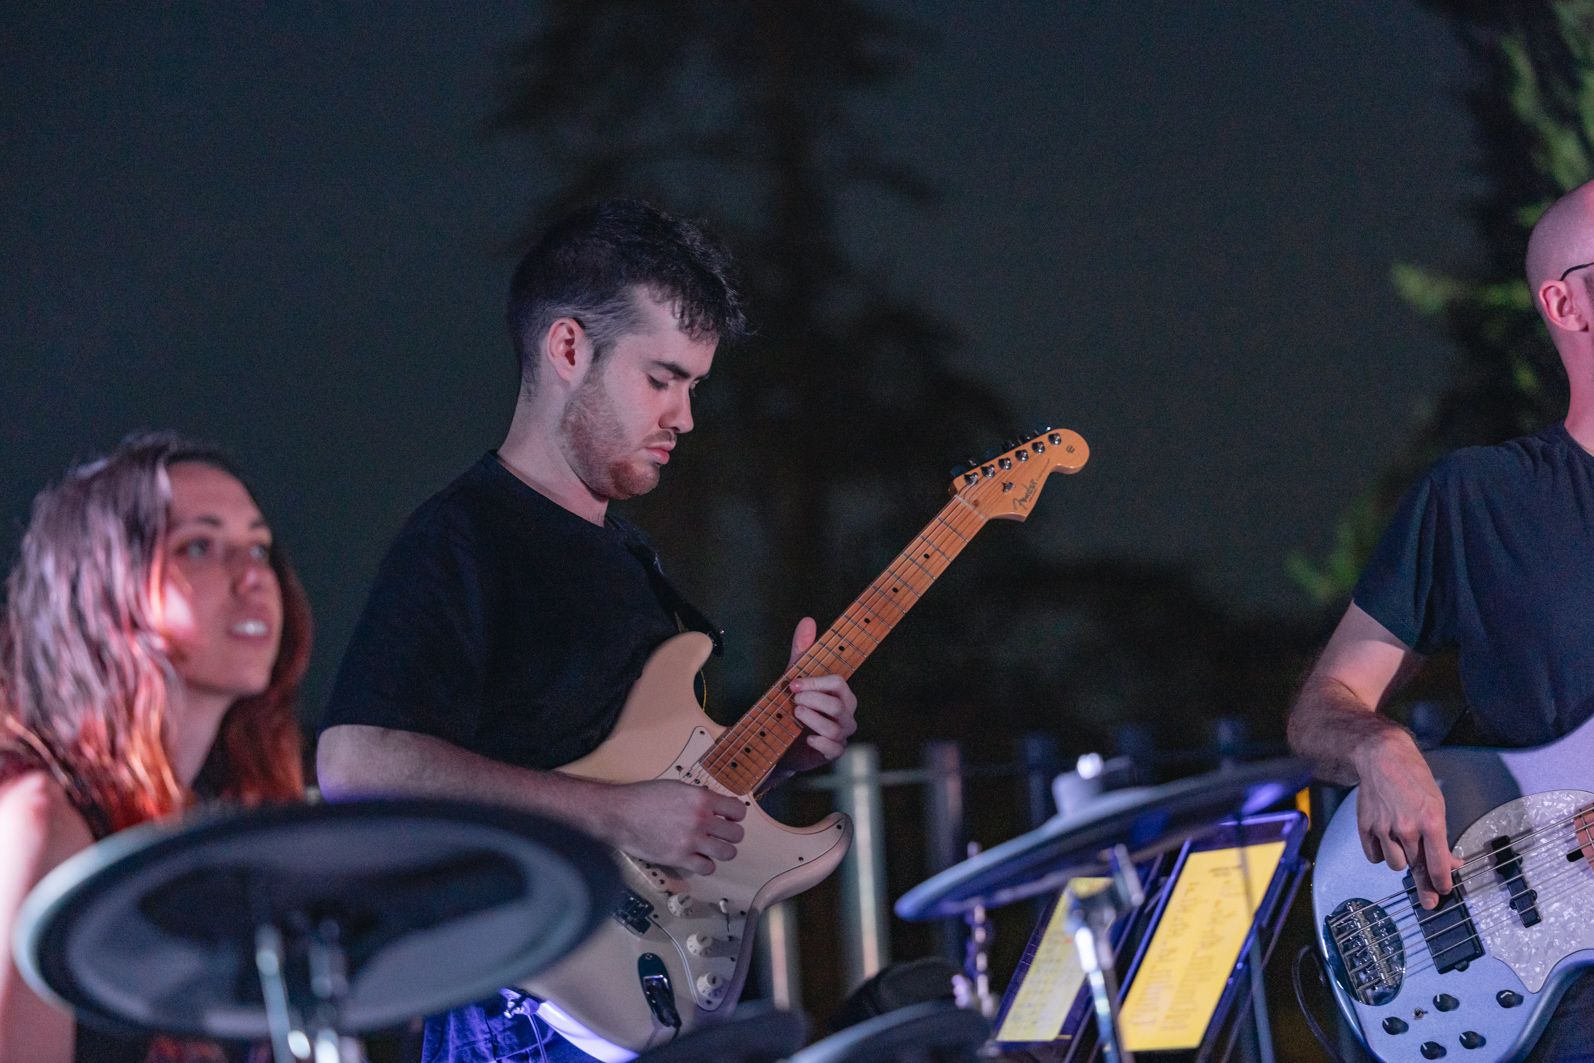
(357, 761)
(1330, 724)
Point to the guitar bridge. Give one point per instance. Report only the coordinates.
(1367, 954)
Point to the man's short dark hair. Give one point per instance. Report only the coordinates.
(588, 265)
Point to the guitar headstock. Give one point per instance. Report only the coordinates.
(1006, 486)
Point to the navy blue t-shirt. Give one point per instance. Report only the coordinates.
(1492, 553)
(503, 623)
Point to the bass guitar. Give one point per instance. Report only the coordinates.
(1478, 976)
(676, 952)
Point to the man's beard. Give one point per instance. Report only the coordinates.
(595, 445)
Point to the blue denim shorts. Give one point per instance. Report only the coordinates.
(502, 1029)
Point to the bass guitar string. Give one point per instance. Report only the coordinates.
(1422, 916)
(1477, 907)
(1546, 841)
(1422, 966)
(1490, 917)
(1492, 913)
(1462, 876)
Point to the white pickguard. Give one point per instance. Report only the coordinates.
(1565, 890)
(719, 905)
(662, 734)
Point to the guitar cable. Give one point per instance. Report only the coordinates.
(1302, 956)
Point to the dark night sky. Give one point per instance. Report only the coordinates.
(1167, 226)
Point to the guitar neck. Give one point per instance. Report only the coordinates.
(746, 753)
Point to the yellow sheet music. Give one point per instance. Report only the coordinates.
(1195, 948)
(1054, 976)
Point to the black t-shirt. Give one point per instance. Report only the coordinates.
(1492, 553)
(504, 624)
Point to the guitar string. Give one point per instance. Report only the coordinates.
(1424, 916)
(1461, 876)
(1483, 901)
(1495, 916)
(1486, 913)
(1490, 914)
(716, 759)
(1432, 962)
(1487, 874)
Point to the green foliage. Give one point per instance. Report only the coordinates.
(1533, 102)
(1327, 582)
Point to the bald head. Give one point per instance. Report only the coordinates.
(1563, 238)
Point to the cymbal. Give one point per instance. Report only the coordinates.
(433, 903)
(937, 1030)
(1146, 819)
(757, 1033)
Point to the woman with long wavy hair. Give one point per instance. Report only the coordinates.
(151, 649)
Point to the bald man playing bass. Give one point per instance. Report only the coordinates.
(1490, 553)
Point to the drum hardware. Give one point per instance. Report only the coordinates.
(935, 1032)
(1100, 831)
(308, 925)
(977, 955)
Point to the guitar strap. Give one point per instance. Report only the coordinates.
(688, 616)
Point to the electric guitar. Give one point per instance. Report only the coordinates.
(676, 952)
(1478, 976)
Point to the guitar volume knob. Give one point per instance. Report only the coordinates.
(699, 944)
(680, 905)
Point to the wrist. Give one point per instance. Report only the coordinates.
(598, 811)
(1373, 748)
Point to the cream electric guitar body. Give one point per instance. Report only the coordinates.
(676, 952)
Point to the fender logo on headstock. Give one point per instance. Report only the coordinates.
(986, 486)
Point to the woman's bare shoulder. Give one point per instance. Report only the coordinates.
(39, 824)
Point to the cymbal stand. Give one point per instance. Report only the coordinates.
(977, 955)
(303, 977)
(1090, 920)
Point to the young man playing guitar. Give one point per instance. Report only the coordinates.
(1492, 553)
(513, 613)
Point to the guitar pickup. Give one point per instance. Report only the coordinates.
(1508, 868)
(634, 913)
(1448, 929)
